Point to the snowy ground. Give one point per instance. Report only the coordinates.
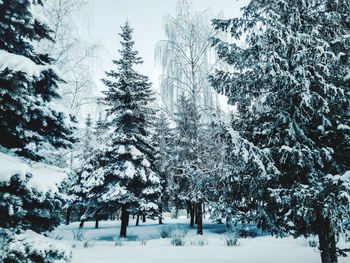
(101, 246)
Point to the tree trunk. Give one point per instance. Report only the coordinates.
(176, 210)
(143, 218)
(81, 225)
(188, 209)
(327, 241)
(203, 210)
(124, 220)
(199, 218)
(191, 215)
(96, 221)
(196, 212)
(68, 214)
(137, 220)
(160, 219)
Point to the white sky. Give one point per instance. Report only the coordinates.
(146, 17)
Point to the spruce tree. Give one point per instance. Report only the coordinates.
(163, 139)
(188, 173)
(290, 82)
(29, 117)
(129, 177)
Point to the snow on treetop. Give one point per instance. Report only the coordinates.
(45, 178)
(38, 15)
(20, 63)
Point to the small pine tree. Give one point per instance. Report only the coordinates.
(188, 174)
(162, 139)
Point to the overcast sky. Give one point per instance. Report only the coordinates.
(146, 17)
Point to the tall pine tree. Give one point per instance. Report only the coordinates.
(129, 177)
(290, 82)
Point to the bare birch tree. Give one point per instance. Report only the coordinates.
(187, 59)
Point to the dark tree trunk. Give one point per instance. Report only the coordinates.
(133, 216)
(203, 210)
(176, 210)
(96, 221)
(188, 209)
(68, 214)
(137, 220)
(191, 215)
(199, 217)
(160, 216)
(196, 212)
(81, 225)
(327, 241)
(143, 218)
(124, 220)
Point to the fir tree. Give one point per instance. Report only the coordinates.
(188, 173)
(28, 117)
(29, 121)
(163, 137)
(129, 177)
(291, 85)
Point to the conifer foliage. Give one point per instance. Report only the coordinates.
(30, 120)
(290, 82)
(29, 117)
(129, 177)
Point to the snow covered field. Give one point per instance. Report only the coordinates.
(101, 246)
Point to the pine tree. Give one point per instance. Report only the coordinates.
(188, 174)
(163, 160)
(84, 158)
(28, 114)
(30, 119)
(291, 86)
(129, 177)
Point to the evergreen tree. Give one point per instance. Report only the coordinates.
(84, 157)
(291, 86)
(163, 160)
(129, 179)
(30, 119)
(28, 209)
(188, 174)
(28, 84)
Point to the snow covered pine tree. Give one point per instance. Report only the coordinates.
(129, 177)
(28, 83)
(291, 83)
(28, 120)
(163, 138)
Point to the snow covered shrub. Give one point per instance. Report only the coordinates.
(28, 247)
(165, 232)
(249, 231)
(178, 237)
(27, 208)
(88, 243)
(312, 242)
(78, 235)
(119, 241)
(231, 239)
(143, 240)
(58, 236)
(199, 240)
